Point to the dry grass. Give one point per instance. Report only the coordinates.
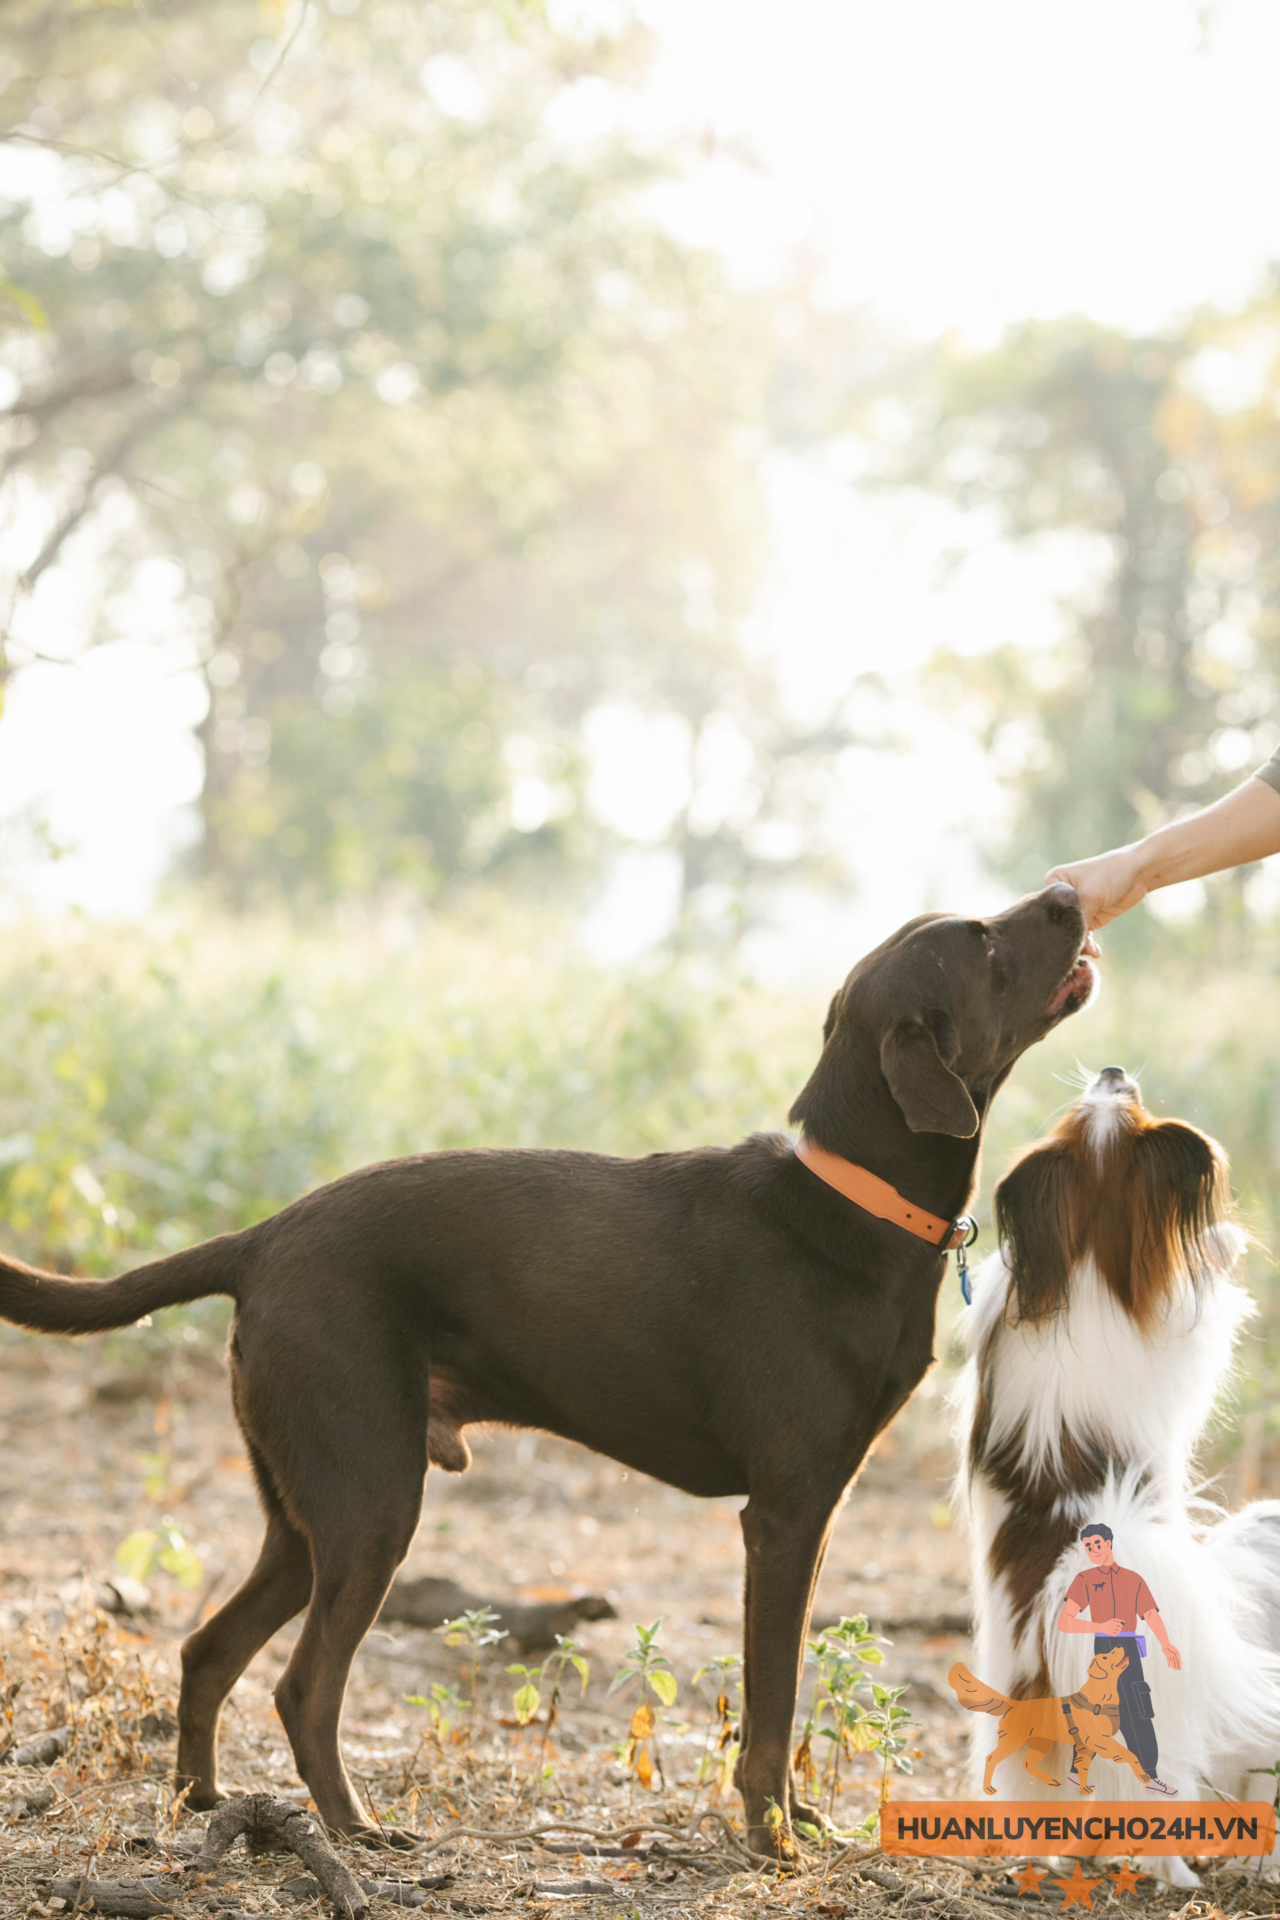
(94, 1447)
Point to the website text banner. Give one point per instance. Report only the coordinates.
(1101, 1827)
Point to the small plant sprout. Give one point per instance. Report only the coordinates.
(475, 1631)
(163, 1546)
(443, 1705)
(849, 1710)
(1273, 1769)
(528, 1696)
(717, 1761)
(648, 1665)
(891, 1723)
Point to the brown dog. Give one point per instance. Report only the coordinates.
(1087, 1720)
(721, 1319)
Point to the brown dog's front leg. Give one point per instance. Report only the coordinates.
(784, 1552)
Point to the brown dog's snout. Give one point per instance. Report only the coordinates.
(1061, 895)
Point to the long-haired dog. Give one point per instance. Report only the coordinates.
(1100, 1336)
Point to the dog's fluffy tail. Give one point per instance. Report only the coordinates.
(48, 1303)
(974, 1693)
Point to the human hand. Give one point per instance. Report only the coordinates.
(1109, 1627)
(1107, 886)
(1174, 1658)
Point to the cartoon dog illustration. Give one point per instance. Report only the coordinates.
(1086, 1720)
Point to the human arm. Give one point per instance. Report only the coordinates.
(1156, 1625)
(1242, 827)
(1069, 1621)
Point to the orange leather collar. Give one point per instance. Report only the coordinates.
(876, 1196)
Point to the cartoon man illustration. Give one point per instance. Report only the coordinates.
(1116, 1599)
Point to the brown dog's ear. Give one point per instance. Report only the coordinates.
(933, 1099)
(1035, 1227)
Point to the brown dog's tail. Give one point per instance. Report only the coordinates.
(47, 1303)
(973, 1693)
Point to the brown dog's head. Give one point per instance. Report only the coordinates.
(1147, 1200)
(940, 1012)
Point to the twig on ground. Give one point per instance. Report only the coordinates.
(291, 1828)
(135, 1899)
(40, 1752)
(593, 1833)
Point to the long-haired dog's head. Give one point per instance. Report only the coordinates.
(1142, 1197)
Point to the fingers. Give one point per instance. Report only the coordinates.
(1106, 886)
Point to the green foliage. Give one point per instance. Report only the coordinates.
(161, 1085)
(475, 1630)
(444, 1706)
(528, 1697)
(850, 1710)
(163, 1546)
(645, 1666)
(721, 1742)
(393, 378)
(403, 790)
(1156, 459)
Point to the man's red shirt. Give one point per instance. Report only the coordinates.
(1112, 1593)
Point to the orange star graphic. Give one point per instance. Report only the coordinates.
(1028, 1880)
(1126, 1880)
(1077, 1891)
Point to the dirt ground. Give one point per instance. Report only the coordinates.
(99, 1439)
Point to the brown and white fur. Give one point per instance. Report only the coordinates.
(1100, 1335)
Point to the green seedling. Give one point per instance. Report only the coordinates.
(474, 1630)
(528, 1696)
(647, 1665)
(443, 1705)
(163, 1546)
(720, 1746)
(1275, 1801)
(850, 1711)
(890, 1723)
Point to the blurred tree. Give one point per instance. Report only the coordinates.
(1160, 456)
(344, 337)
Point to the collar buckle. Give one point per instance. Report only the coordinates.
(961, 1234)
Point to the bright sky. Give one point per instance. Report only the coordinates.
(968, 165)
(956, 166)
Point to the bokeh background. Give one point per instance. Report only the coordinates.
(532, 535)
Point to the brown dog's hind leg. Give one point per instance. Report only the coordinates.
(337, 1412)
(217, 1653)
(352, 1575)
